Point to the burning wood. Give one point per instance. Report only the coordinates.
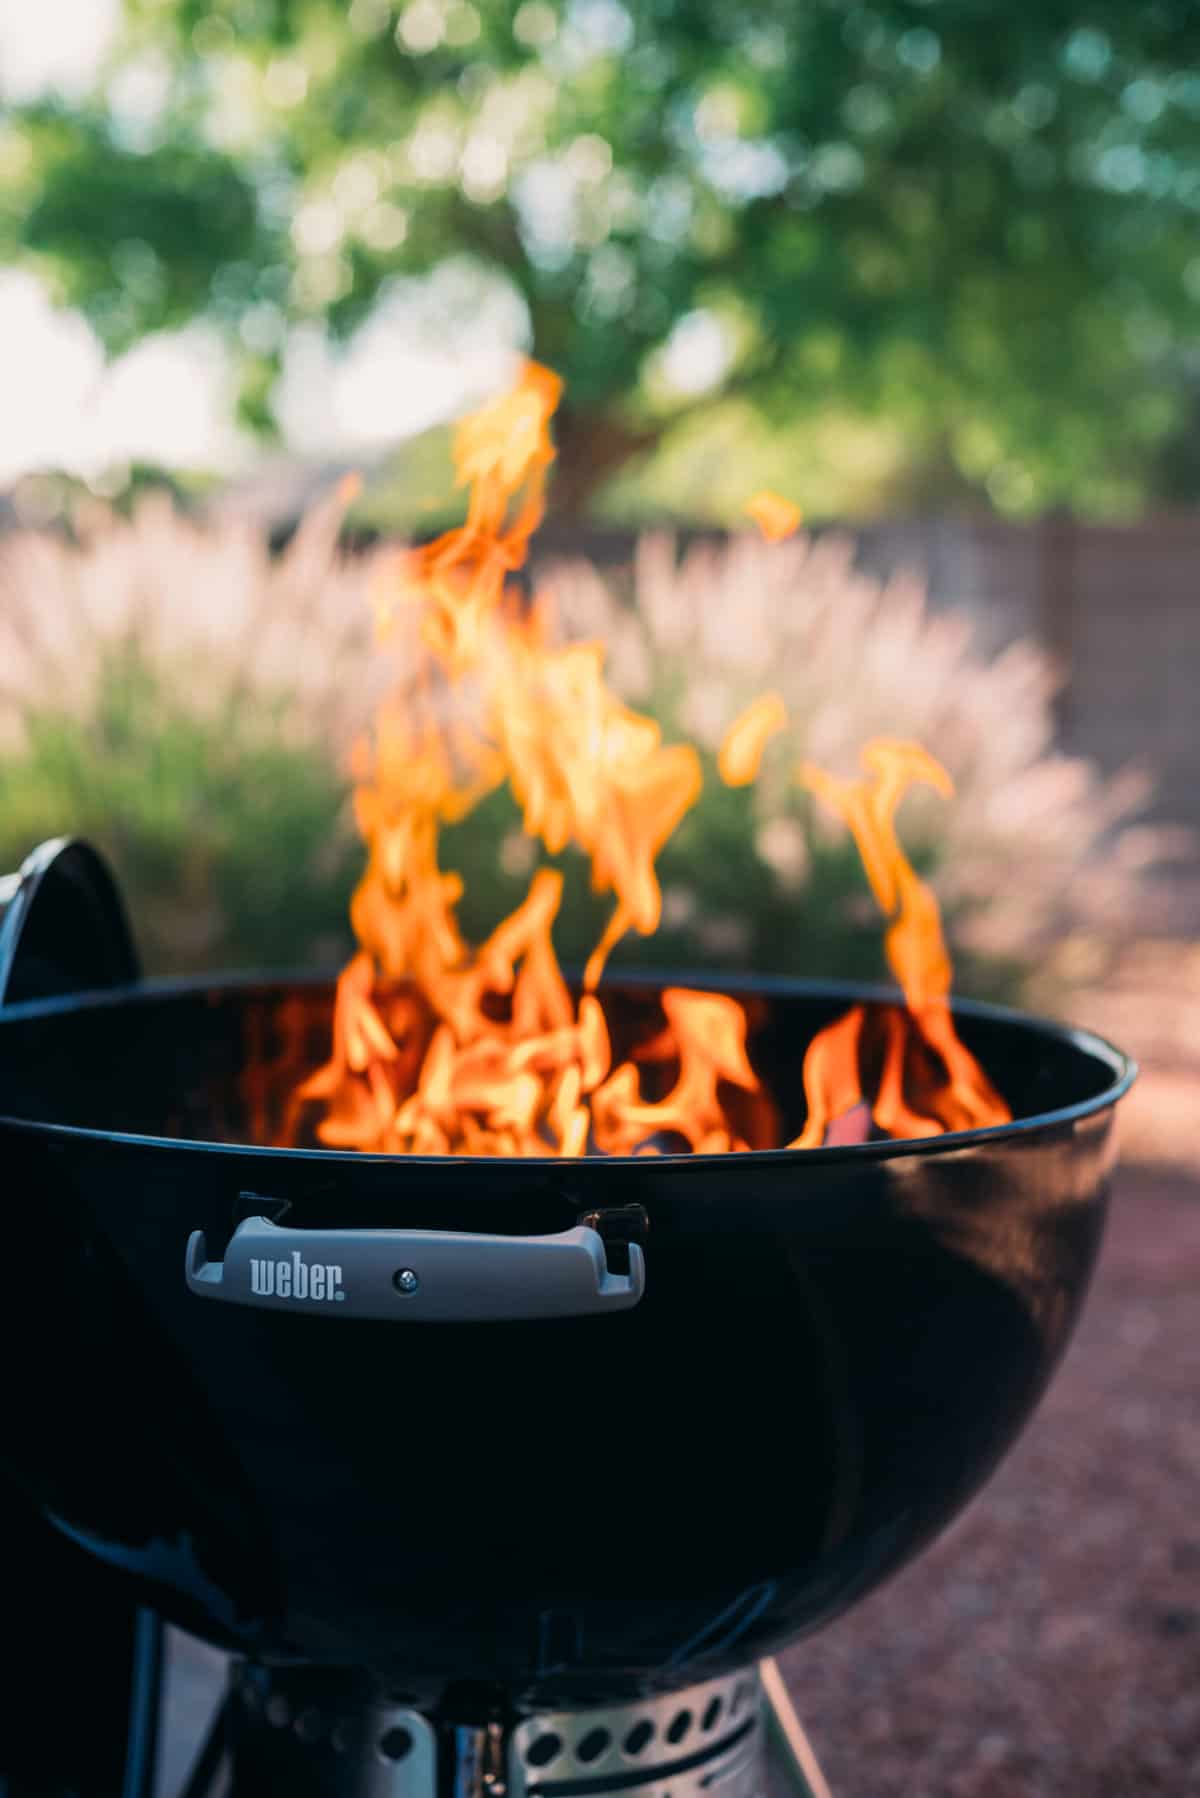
(444, 1048)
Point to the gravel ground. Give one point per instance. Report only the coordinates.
(1049, 1645)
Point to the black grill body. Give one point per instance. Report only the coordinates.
(832, 1350)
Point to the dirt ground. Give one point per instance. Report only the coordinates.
(1049, 1645)
(1149, 1004)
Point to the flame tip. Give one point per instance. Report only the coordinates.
(777, 518)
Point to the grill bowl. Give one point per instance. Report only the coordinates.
(833, 1349)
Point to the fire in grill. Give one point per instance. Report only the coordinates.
(553, 1348)
(441, 1048)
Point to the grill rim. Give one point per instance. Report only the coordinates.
(145, 992)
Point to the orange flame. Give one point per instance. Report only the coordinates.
(707, 1032)
(918, 1049)
(441, 1047)
(501, 454)
(741, 753)
(775, 516)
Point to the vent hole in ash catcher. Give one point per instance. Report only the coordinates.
(593, 1745)
(395, 1744)
(279, 1713)
(545, 1749)
(308, 1726)
(678, 1727)
(712, 1712)
(639, 1737)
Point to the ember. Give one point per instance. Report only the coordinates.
(444, 1048)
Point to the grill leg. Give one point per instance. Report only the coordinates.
(790, 1749)
(80, 1669)
(209, 1777)
(145, 1707)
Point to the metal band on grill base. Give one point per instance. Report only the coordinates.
(311, 1733)
(703, 1742)
(319, 1734)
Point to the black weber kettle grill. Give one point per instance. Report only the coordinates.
(496, 1477)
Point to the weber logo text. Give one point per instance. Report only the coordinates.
(292, 1278)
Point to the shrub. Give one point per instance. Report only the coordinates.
(186, 699)
(183, 698)
(1036, 856)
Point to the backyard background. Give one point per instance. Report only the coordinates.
(928, 268)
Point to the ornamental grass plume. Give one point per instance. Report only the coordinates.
(1038, 858)
(185, 697)
(204, 606)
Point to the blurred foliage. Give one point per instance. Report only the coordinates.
(842, 465)
(229, 840)
(53, 499)
(1038, 858)
(187, 698)
(975, 223)
(412, 492)
(233, 847)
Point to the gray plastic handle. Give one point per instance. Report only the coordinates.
(422, 1276)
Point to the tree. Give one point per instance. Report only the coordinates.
(976, 221)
